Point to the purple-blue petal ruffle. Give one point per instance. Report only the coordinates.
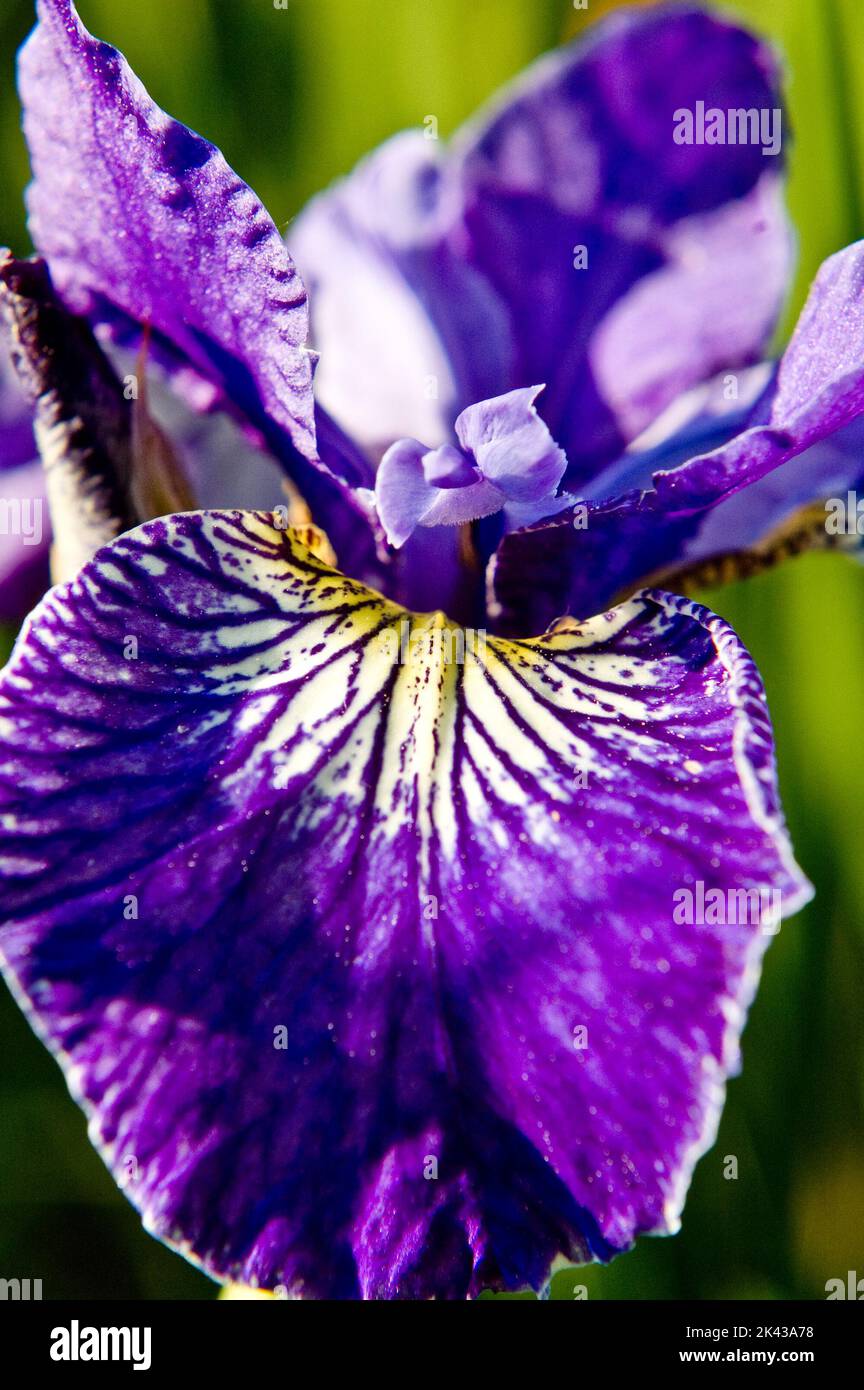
(506, 456)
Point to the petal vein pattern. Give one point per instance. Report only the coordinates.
(354, 934)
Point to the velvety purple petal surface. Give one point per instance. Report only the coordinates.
(579, 154)
(142, 221)
(130, 205)
(359, 949)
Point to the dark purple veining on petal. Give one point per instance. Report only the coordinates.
(260, 814)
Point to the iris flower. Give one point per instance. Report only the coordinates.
(358, 941)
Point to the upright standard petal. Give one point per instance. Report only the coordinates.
(565, 237)
(358, 937)
(633, 266)
(130, 207)
(409, 333)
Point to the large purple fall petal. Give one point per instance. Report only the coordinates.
(130, 206)
(358, 946)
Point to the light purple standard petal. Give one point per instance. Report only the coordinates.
(131, 207)
(409, 333)
(361, 948)
(633, 267)
(564, 237)
(710, 308)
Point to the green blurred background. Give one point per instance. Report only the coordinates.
(294, 97)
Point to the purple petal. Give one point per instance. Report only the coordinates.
(461, 269)
(516, 458)
(405, 499)
(130, 206)
(802, 448)
(447, 467)
(828, 470)
(710, 308)
(402, 494)
(142, 220)
(287, 900)
(455, 506)
(580, 560)
(579, 154)
(819, 390)
(512, 446)
(409, 333)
